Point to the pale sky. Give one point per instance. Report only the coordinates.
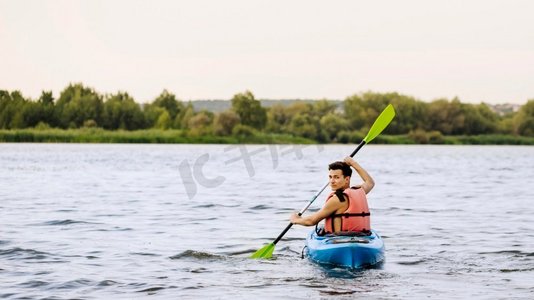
(478, 50)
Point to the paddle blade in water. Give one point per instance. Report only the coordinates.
(381, 123)
(265, 252)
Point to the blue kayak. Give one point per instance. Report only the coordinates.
(350, 251)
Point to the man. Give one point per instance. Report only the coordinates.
(346, 208)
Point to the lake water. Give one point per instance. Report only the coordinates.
(179, 221)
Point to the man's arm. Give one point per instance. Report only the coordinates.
(329, 208)
(368, 182)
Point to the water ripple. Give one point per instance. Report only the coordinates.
(515, 253)
(65, 222)
(151, 289)
(261, 207)
(516, 270)
(107, 283)
(197, 255)
(144, 254)
(20, 253)
(34, 284)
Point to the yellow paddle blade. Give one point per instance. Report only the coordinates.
(381, 123)
(265, 252)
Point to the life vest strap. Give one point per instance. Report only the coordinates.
(346, 215)
(340, 195)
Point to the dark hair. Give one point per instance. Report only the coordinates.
(339, 165)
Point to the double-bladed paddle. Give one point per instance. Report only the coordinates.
(379, 125)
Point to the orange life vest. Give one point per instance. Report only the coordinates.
(356, 217)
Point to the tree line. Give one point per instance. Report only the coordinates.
(79, 106)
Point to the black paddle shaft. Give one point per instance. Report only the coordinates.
(357, 148)
(283, 233)
(315, 197)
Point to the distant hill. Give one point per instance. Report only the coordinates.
(504, 109)
(222, 105)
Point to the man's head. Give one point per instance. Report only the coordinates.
(339, 175)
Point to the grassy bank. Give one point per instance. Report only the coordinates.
(96, 135)
(151, 136)
(489, 139)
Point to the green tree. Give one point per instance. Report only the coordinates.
(300, 119)
(249, 110)
(7, 109)
(332, 124)
(479, 119)
(16, 111)
(225, 122)
(77, 104)
(18, 120)
(446, 117)
(305, 126)
(164, 120)
(410, 114)
(323, 107)
(456, 118)
(5, 100)
(200, 124)
(31, 114)
(524, 120)
(46, 102)
(278, 119)
(506, 124)
(362, 110)
(186, 116)
(122, 112)
(166, 101)
(244, 131)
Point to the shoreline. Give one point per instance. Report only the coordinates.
(154, 136)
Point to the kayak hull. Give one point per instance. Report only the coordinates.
(346, 251)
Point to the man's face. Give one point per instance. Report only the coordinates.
(337, 180)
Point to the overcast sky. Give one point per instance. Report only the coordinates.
(478, 50)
